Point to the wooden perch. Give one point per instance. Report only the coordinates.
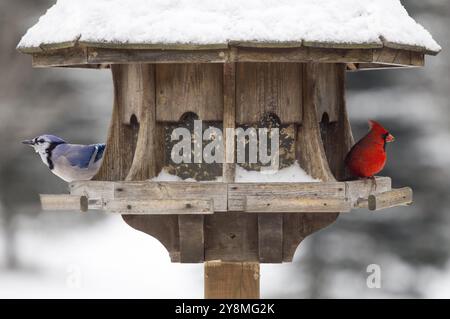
(148, 190)
(295, 204)
(149, 198)
(64, 202)
(396, 197)
(159, 206)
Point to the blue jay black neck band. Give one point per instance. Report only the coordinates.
(48, 151)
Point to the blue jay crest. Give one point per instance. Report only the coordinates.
(70, 162)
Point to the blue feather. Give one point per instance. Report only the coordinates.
(80, 155)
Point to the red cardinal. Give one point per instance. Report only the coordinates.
(368, 156)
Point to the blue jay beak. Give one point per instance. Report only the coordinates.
(28, 142)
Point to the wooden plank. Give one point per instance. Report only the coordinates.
(403, 47)
(375, 66)
(397, 57)
(417, 59)
(337, 137)
(303, 55)
(309, 145)
(219, 286)
(264, 44)
(68, 56)
(385, 55)
(78, 56)
(191, 238)
(363, 188)
(217, 192)
(60, 45)
(223, 46)
(295, 204)
(183, 88)
(159, 206)
(403, 58)
(100, 66)
(64, 202)
(231, 236)
(263, 88)
(123, 56)
(238, 192)
(394, 59)
(328, 90)
(353, 191)
(140, 103)
(334, 45)
(270, 238)
(229, 121)
(121, 142)
(30, 50)
(156, 46)
(396, 197)
(135, 85)
(92, 189)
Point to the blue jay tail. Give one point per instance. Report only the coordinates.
(28, 142)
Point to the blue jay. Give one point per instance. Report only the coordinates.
(70, 162)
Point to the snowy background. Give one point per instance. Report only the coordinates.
(85, 256)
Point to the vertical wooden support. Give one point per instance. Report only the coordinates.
(144, 164)
(121, 140)
(229, 119)
(232, 280)
(309, 148)
(270, 237)
(192, 241)
(335, 130)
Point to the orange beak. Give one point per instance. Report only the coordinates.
(390, 138)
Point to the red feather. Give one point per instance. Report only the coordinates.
(368, 156)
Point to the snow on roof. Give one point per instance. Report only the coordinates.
(221, 22)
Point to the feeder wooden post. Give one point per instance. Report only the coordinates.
(231, 280)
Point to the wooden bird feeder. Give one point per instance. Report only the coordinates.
(299, 86)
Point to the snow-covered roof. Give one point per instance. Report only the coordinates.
(202, 22)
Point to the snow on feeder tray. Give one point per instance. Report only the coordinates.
(276, 75)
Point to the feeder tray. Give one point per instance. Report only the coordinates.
(194, 202)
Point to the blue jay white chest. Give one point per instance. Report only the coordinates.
(70, 162)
